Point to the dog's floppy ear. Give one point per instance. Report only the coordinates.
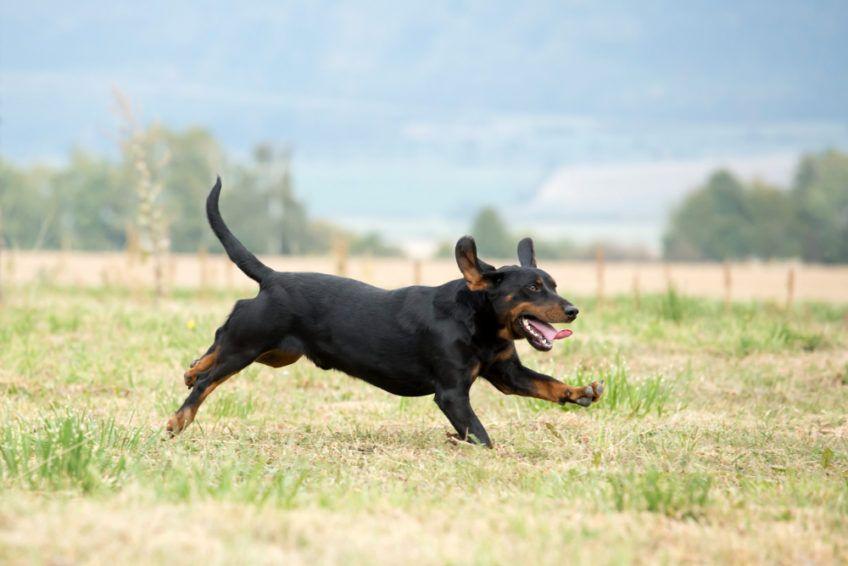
(473, 268)
(526, 253)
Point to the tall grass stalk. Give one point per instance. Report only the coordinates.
(139, 147)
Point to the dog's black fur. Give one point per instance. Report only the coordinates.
(411, 341)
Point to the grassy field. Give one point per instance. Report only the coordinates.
(722, 437)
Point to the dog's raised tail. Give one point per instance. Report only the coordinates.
(240, 255)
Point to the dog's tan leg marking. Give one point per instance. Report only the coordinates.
(558, 392)
(185, 415)
(278, 358)
(199, 366)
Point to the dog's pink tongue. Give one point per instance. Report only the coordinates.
(549, 331)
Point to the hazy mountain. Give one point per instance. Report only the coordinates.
(410, 115)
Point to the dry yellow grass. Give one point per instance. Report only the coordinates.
(722, 438)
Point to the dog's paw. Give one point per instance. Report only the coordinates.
(590, 394)
(173, 428)
(177, 423)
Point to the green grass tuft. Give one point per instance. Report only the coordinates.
(67, 451)
(674, 494)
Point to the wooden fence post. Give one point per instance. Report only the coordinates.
(728, 284)
(416, 272)
(64, 252)
(637, 290)
(368, 268)
(1, 255)
(132, 244)
(171, 260)
(340, 250)
(229, 270)
(599, 265)
(669, 282)
(203, 265)
(11, 257)
(790, 288)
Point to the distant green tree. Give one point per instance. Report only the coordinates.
(555, 249)
(29, 210)
(711, 223)
(489, 223)
(90, 202)
(492, 235)
(372, 243)
(724, 219)
(192, 159)
(774, 228)
(245, 209)
(820, 198)
(93, 203)
(296, 235)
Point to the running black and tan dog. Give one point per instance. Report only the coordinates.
(411, 341)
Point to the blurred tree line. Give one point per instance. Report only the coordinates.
(729, 219)
(723, 219)
(89, 202)
(494, 240)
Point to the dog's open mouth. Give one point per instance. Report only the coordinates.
(540, 334)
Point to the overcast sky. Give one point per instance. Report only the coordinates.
(412, 114)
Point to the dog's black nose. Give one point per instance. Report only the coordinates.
(571, 311)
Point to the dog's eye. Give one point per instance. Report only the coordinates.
(533, 287)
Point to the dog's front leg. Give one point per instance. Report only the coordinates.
(511, 377)
(456, 405)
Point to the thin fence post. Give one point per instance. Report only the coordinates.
(669, 282)
(416, 271)
(599, 264)
(1, 255)
(132, 251)
(133, 246)
(203, 266)
(11, 258)
(171, 260)
(368, 268)
(158, 278)
(229, 270)
(64, 252)
(790, 288)
(728, 284)
(637, 290)
(340, 249)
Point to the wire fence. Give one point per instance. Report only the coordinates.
(781, 282)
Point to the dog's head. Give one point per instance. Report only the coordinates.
(524, 297)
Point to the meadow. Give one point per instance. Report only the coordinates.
(722, 437)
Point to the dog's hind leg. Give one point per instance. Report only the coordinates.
(278, 358)
(201, 365)
(204, 362)
(224, 365)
